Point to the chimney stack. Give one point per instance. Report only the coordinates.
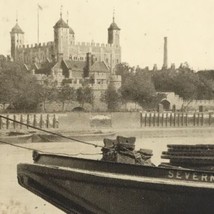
(165, 57)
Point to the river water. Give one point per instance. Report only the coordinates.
(16, 200)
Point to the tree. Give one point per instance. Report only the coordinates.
(111, 97)
(138, 88)
(84, 95)
(18, 88)
(49, 91)
(66, 93)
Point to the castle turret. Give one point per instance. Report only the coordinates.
(61, 38)
(71, 32)
(17, 39)
(114, 34)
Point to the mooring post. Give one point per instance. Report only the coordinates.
(202, 119)
(21, 121)
(154, 119)
(170, 119)
(166, 121)
(47, 121)
(54, 121)
(194, 118)
(174, 119)
(186, 119)
(14, 123)
(28, 120)
(41, 121)
(150, 118)
(0, 122)
(7, 122)
(34, 120)
(210, 118)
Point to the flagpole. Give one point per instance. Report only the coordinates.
(38, 23)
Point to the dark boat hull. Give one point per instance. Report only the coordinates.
(81, 136)
(16, 139)
(88, 186)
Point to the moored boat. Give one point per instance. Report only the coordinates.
(86, 135)
(77, 185)
(15, 137)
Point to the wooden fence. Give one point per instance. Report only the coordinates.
(37, 120)
(154, 119)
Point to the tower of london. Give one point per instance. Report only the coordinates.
(64, 46)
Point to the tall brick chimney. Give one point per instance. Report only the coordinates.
(88, 65)
(165, 56)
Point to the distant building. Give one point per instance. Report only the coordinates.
(68, 61)
(64, 46)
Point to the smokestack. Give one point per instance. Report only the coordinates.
(165, 57)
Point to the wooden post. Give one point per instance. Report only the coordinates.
(210, 119)
(54, 121)
(7, 122)
(170, 119)
(154, 119)
(158, 121)
(166, 121)
(198, 119)
(21, 121)
(145, 119)
(162, 122)
(186, 119)
(182, 119)
(202, 119)
(0, 122)
(150, 119)
(28, 120)
(194, 118)
(34, 120)
(47, 121)
(178, 119)
(174, 119)
(14, 123)
(141, 119)
(41, 121)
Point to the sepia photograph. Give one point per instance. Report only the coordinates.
(106, 107)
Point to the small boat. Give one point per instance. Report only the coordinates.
(83, 186)
(15, 137)
(86, 135)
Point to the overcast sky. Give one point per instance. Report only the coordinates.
(188, 24)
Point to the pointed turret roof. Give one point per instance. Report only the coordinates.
(113, 25)
(61, 24)
(17, 29)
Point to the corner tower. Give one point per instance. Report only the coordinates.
(114, 34)
(61, 39)
(17, 39)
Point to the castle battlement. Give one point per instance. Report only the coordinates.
(92, 44)
(36, 45)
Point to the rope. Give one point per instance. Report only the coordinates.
(49, 132)
(31, 149)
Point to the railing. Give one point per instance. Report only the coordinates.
(154, 119)
(38, 120)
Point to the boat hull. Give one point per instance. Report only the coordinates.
(87, 186)
(16, 139)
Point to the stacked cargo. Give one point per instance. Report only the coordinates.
(191, 156)
(122, 150)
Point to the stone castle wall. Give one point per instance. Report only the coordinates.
(35, 53)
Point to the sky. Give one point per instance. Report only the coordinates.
(188, 24)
